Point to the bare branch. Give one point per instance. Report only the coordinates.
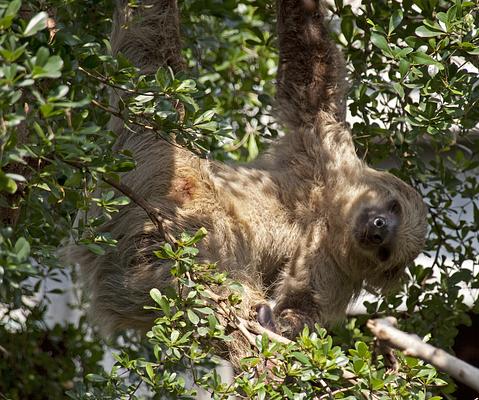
(412, 345)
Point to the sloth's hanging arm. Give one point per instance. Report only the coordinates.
(311, 87)
(311, 69)
(148, 34)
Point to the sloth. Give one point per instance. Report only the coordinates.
(306, 226)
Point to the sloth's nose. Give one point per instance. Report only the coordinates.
(377, 230)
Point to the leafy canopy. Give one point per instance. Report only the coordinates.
(414, 93)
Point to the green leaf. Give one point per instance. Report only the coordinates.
(95, 249)
(96, 378)
(52, 68)
(186, 86)
(399, 89)
(301, 357)
(208, 126)
(347, 28)
(204, 310)
(362, 349)
(205, 117)
(164, 77)
(41, 56)
(380, 42)
(199, 235)
(22, 248)
(358, 365)
(37, 23)
(403, 67)
(252, 147)
(423, 31)
(203, 331)
(419, 57)
(395, 20)
(156, 295)
(474, 52)
(169, 250)
(175, 334)
(13, 8)
(150, 371)
(7, 184)
(194, 319)
(124, 165)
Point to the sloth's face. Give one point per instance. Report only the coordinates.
(388, 221)
(376, 228)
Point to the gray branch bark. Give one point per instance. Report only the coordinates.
(413, 346)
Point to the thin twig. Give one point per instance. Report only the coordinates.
(334, 392)
(153, 213)
(151, 128)
(4, 351)
(130, 397)
(105, 81)
(326, 387)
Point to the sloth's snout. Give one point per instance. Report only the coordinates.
(377, 230)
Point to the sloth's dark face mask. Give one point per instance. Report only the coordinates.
(376, 228)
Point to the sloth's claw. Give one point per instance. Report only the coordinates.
(264, 315)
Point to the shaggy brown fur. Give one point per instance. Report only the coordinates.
(297, 219)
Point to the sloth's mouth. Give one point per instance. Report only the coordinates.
(381, 251)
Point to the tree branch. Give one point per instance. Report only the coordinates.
(249, 328)
(153, 213)
(412, 345)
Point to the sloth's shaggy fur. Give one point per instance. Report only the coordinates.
(284, 225)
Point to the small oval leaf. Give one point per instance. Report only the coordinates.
(37, 23)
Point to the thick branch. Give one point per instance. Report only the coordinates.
(412, 345)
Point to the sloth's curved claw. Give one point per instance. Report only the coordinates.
(264, 315)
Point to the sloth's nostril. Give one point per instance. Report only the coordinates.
(379, 222)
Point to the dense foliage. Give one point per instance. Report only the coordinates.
(413, 100)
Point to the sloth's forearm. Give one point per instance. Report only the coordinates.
(311, 68)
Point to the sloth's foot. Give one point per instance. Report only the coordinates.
(291, 322)
(391, 363)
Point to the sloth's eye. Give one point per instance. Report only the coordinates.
(394, 207)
